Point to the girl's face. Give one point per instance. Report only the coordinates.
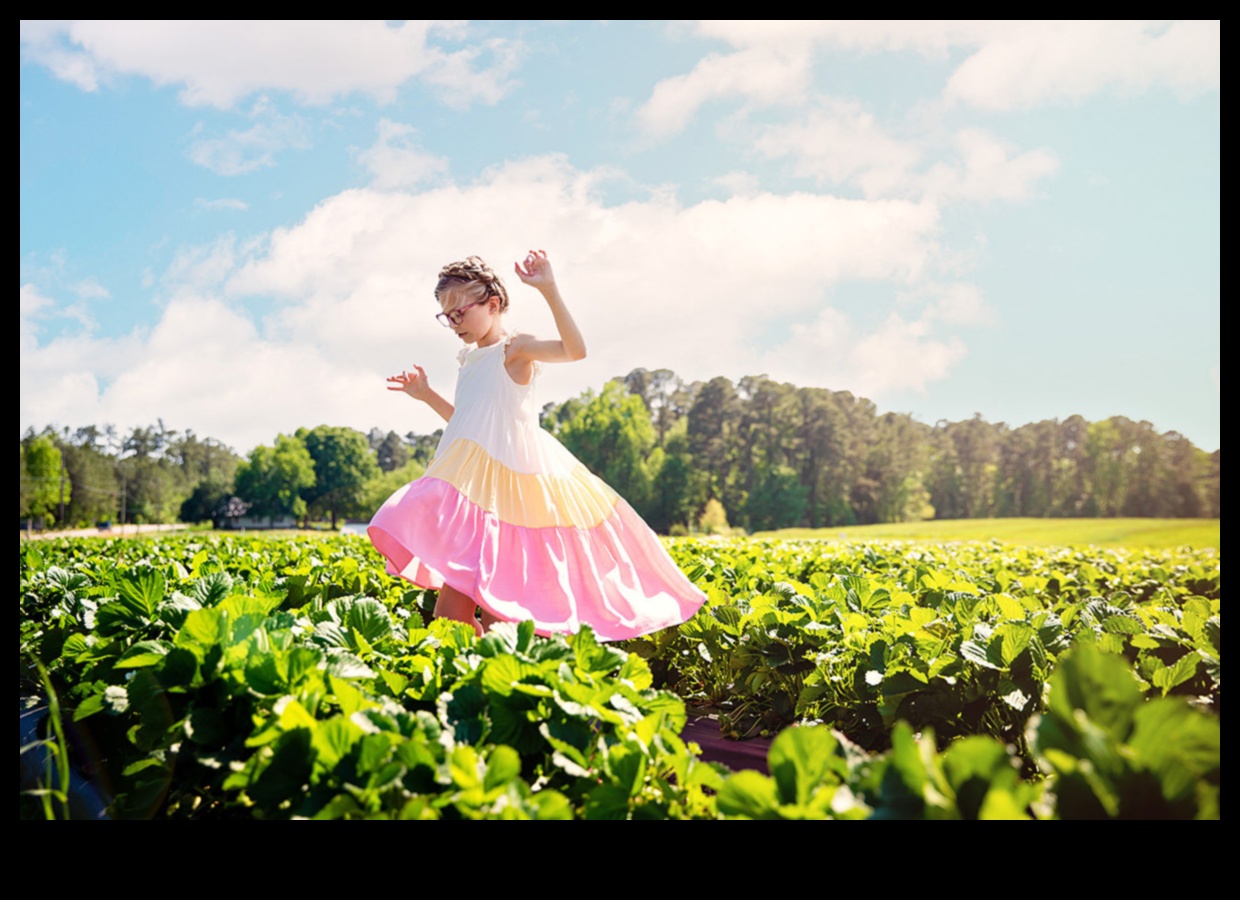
(472, 320)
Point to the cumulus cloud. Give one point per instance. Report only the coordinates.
(31, 306)
(59, 378)
(652, 283)
(898, 355)
(839, 143)
(396, 160)
(988, 169)
(763, 76)
(1037, 63)
(316, 61)
(1009, 64)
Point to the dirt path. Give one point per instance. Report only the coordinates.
(114, 531)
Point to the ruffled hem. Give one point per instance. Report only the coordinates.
(615, 577)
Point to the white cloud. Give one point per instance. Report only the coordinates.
(91, 289)
(41, 43)
(898, 355)
(763, 76)
(960, 304)
(989, 169)
(738, 183)
(202, 267)
(1010, 64)
(227, 203)
(653, 283)
(242, 151)
(1037, 63)
(31, 306)
(218, 63)
(839, 143)
(396, 161)
(59, 379)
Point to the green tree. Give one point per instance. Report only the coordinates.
(96, 488)
(377, 490)
(713, 423)
(153, 487)
(392, 453)
(714, 519)
(273, 478)
(47, 483)
(674, 499)
(611, 433)
(343, 464)
(777, 500)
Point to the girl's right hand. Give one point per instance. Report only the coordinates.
(415, 384)
(536, 271)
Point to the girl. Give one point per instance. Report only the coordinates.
(506, 521)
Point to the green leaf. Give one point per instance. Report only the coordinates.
(142, 654)
(801, 762)
(332, 741)
(1183, 746)
(503, 766)
(1014, 639)
(1180, 671)
(976, 654)
(748, 794)
(1099, 684)
(142, 591)
(203, 628)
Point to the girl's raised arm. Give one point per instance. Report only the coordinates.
(571, 345)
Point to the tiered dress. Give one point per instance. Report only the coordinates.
(507, 515)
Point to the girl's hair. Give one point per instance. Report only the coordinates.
(473, 278)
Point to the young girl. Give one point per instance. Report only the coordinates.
(506, 520)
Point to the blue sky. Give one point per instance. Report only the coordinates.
(236, 227)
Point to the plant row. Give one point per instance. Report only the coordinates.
(262, 678)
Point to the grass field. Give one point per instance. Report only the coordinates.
(1131, 533)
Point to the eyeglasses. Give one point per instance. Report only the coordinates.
(453, 318)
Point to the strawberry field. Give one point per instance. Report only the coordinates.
(250, 677)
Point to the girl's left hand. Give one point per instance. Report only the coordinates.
(537, 270)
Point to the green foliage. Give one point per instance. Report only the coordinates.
(611, 433)
(1108, 754)
(959, 638)
(256, 677)
(1112, 754)
(273, 478)
(42, 479)
(714, 518)
(376, 491)
(244, 677)
(343, 464)
(776, 501)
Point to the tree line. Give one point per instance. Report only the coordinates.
(757, 454)
(763, 455)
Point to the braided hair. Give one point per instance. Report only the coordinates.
(473, 278)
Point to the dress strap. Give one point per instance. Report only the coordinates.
(537, 366)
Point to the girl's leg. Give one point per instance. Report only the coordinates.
(452, 604)
(487, 619)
